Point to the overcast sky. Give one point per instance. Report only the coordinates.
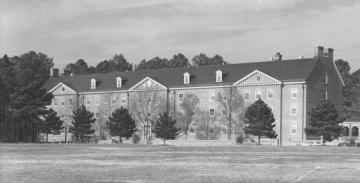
(240, 31)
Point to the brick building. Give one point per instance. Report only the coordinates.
(289, 87)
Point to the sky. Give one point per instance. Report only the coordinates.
(238, 30)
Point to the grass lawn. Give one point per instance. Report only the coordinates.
(145, 163)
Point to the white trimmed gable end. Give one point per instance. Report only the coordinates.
(257, 78)
(148, 84)
(62, 89)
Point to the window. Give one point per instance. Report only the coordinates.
(118, 82)
(326, 79)
(97, 99)
(270, 94)
(192, 130)
(112, 111)
(294, 93)
(97, 114)
(212, 96)
(113, 99)
(293, 128)
(246, 94)
(219, 76)
(181, 97)
(93, 83)
(224, 95)
(149, 98)
(186, 78)
(62, 89)
(293, 109)
(63, 101)
(211, 112)
(70, 101)
(55, 101)
(258, 94)
(123, 99)
(88, 100)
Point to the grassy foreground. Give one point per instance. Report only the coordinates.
(145, 163)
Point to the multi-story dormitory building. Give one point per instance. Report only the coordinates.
(289, 87)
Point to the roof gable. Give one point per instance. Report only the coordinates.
(257, 78)
(148, 84)
(62, 89)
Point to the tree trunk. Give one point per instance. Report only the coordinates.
(259, 140)
(164, 141)
(47, 137)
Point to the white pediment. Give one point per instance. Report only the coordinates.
(148, 84)
(257, 78)
(62, 89)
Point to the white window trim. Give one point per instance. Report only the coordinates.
(270, 91)
(179, 97)
(224, 95)
(118, 82)
(219, 76)
(293, 106)
(210, 96)
(257, 91)
(113, 99)
(210, 112)
(248, 92)
(93, 84)
(293, 90)
(88, 100)
(97, 99)
(123, 99)
(291, 125)
(186, 78)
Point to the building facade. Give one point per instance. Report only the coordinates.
(289, 87)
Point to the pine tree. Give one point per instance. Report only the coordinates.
(52, 124)
(325, 121)
(81, 125)
(165, 127)
(121, 124)
(259, 120)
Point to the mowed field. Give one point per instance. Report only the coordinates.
(156, 163)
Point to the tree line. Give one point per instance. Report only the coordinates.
(120, 63)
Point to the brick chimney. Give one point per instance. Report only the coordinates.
(54, 72)
(319, 52)
(329, 53)
(277, 57)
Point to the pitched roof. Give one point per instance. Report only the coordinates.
(286, 70)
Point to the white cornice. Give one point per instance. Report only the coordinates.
(254, 72)
(59, 84)
(137, 84)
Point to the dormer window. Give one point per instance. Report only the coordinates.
(219, 75)
(186, 78)
(93, 83)
(118, 82)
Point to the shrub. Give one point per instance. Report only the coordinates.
(135, 138)
(240, 139)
